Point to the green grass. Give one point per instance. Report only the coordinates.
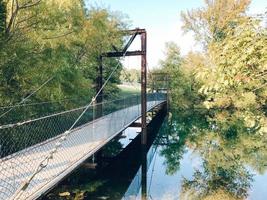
(129, 90)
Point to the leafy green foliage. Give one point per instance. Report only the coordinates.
(183, 84)
(131, 75)
(2, 18)
(210, 22)
(231, 71)
(240, 69)
(59, 39)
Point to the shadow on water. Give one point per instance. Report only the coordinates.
(191, 155)
(121, 172)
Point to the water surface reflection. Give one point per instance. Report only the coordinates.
(194, 155)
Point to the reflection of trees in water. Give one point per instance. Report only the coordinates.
(232, 181)
(177, 131)
(113, 148)
(228, 142)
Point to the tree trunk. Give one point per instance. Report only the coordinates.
(2, 18)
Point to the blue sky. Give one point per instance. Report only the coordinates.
(161, 18)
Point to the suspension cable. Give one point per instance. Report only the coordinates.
(131, 82)
(38, 103)
(27, 97)
(54, 114)
(43, 164)
(127, 78)
(42, 102)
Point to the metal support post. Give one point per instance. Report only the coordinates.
(143, 54)
(143, 88)
(99, 99)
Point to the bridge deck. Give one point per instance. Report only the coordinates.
(82, 143)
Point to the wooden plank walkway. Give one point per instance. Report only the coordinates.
(82, 143)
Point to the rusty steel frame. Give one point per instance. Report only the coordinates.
(143, 54)
(166, 79)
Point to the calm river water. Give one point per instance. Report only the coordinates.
(193, 155)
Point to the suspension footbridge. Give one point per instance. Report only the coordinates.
(82, 142)
(38, 153)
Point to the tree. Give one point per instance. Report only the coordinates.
(60, 39)
(210, 22)
(131, 75)
(240, 68)
(2, 18)
(183, 84)
(234, 72)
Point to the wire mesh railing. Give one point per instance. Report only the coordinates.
(35, 109)
(18, 136)
(24, 144)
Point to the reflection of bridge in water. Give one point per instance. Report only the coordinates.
(135, 187)
(139, 186)
(17, 167)
(122, 177)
